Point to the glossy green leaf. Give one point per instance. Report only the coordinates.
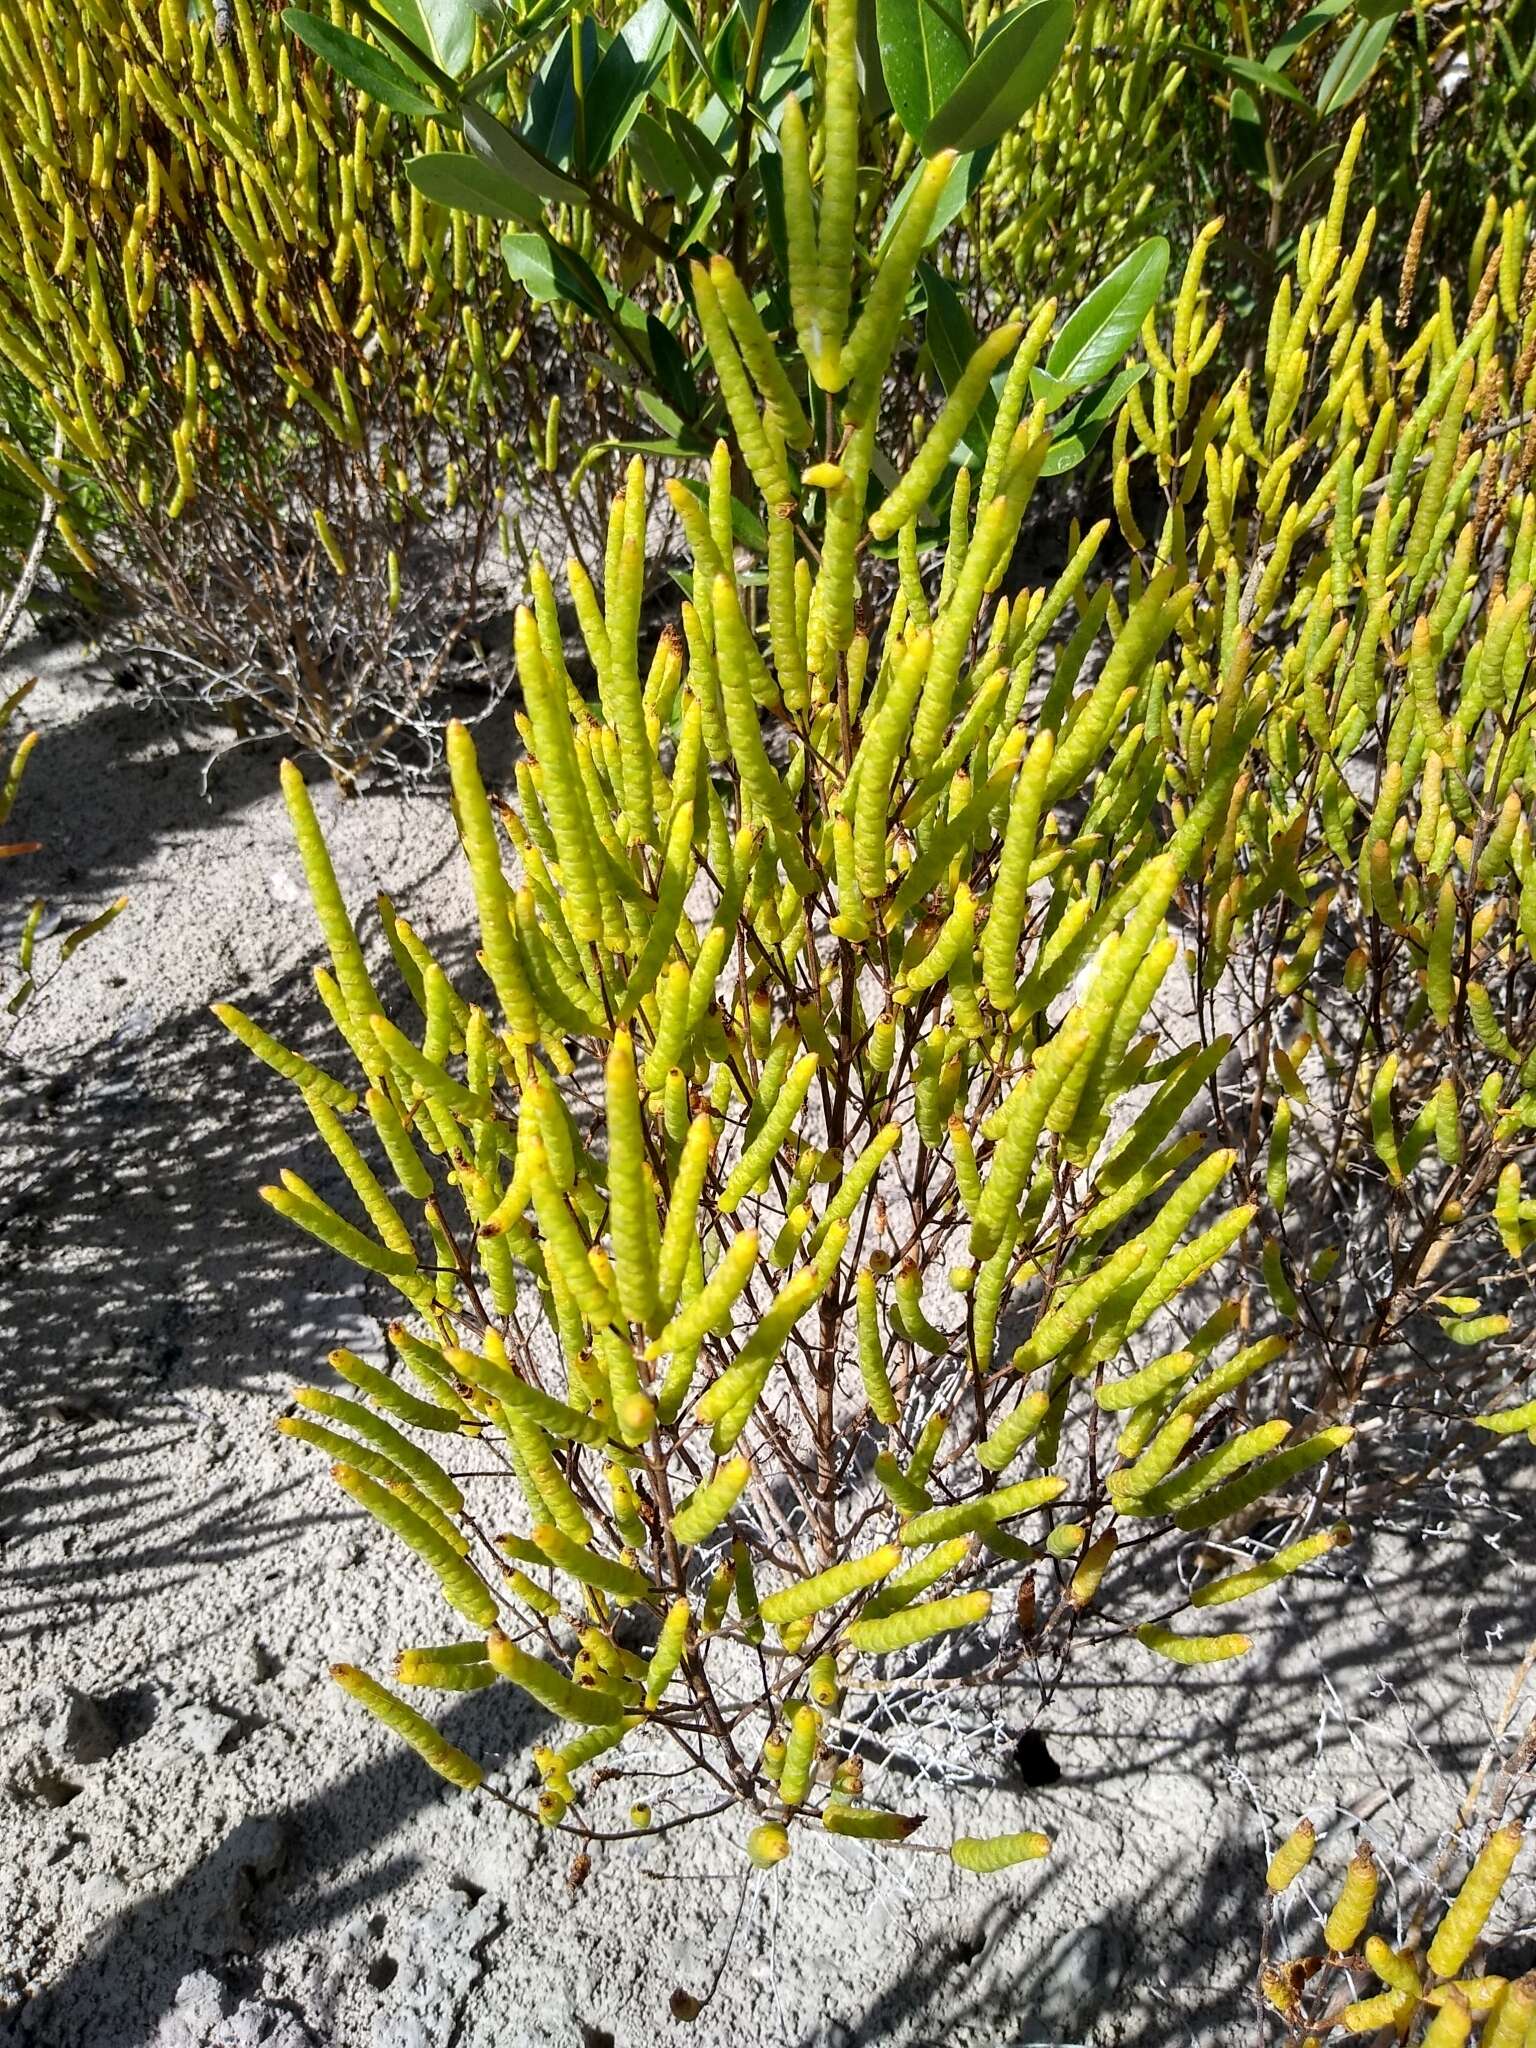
(495, 144)
(550, 274)
(443, 30)
(1012, 68)
(951, 342)
(924, 52)
(874, 93)
(625, 73)
(1098, 333)
(727, 55)
(710, 167)
(949, 334)
(670, 362)
(1076, 433)
(549, 124)
(359, 63)
(662, 164)
(698, 220)
(1318, 166)
(769, 167)
(784, 49)
(414, 61)
(470, 186)
(667, 417)
(1353, 63)
(675, 158)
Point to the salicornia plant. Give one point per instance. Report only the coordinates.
(839, 1197)
(1429, 1988)
(286, 442)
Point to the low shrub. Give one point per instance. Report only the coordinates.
(306, 404)
(969, 1090)
(291, 394)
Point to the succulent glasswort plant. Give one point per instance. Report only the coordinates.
(285, 443)
(837, 1202)
(1428, 1988)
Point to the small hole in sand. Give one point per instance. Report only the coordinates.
(51, 1788)
(1033, 1760)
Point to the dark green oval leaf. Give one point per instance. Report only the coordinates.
(1247, 131)
(664, 167)
(670, 363)
(784, 48)
(359, 63)
(549, 124)
(470, 186)
(709, 166)
(626, 71)
(1317, 167)
(443, 30)
(1075, 434)
(924, 53)
(948, 333)
(550, 274)
(951, 342)
(1012, 69)
(495, 144)
(413, 61)
(1103, 327)
(656, 408)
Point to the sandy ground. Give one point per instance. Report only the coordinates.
(206, 1847)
